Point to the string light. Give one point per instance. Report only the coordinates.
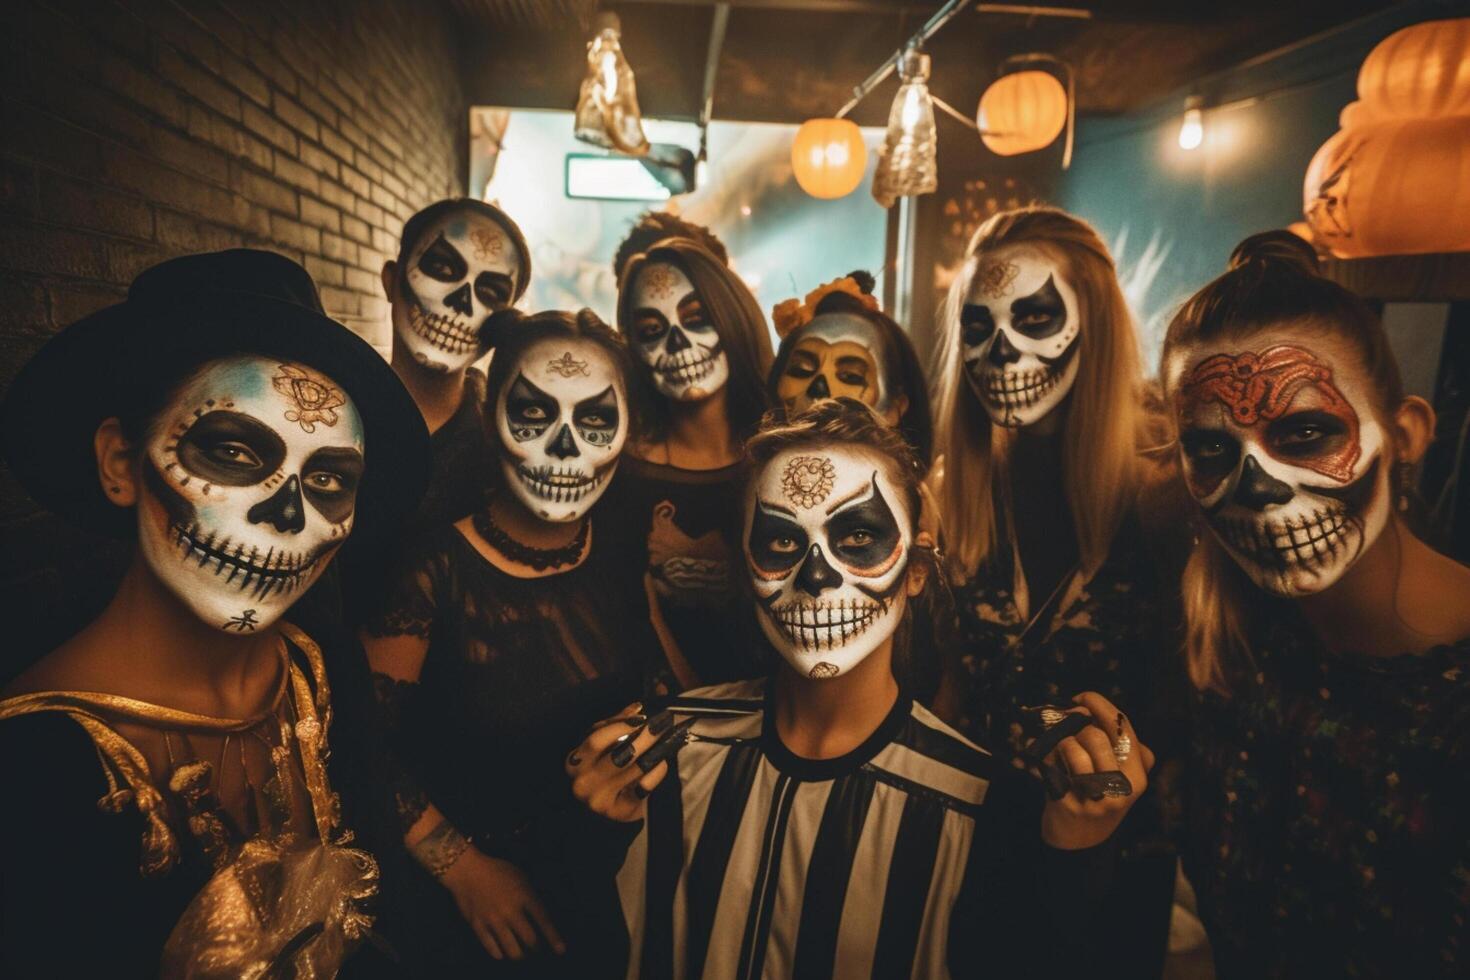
(1192, 129)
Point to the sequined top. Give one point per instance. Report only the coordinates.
(1329, 813)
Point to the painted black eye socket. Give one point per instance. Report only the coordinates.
(853, 372)
(494, 289)
(649, 327)
(443, 262)
(976, 324)
(1041, 314)
(529, 411)
(776, 543)
(330, 480)
(1306, 434)
(230, 449)
(597, 418)
(692, 317)
(863, 534)
(1210, 450)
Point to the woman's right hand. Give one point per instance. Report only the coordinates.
(500, 904)
(603, 769)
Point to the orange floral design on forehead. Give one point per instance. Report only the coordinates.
(1260, 387)
(488, 244)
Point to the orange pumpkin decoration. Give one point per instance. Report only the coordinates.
(1021, 112)
(829, 157)
(1392, 188)
(1420, 71)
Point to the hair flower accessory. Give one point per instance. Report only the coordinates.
(792, 314)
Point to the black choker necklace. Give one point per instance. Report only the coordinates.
(540, 559)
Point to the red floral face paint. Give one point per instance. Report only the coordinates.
(1258, 388)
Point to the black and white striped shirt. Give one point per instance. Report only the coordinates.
(900, 859)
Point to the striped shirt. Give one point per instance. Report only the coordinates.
(894, 860)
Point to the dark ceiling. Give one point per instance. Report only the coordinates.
(788, 60)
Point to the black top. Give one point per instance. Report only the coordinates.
(916, 854)
(517, 672)
(464, 463)
(1329, 813)
(74, 901)
(1114, 634)
(461, 472)
(683, 526)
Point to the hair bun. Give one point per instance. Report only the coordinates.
(1279, 249)
(499, 324)
(864, 280)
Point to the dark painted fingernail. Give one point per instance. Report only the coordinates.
(574, 760)
(636, 721)
(623, 754)
(639, 791)
(666, 746)
(660, 722)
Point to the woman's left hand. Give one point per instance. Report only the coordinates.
(1075, 821)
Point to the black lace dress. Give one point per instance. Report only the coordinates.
(1114, 633)
(1329, 813)
(516, 673)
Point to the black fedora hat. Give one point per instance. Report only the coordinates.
(178, 315)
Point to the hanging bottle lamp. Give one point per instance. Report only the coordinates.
(607, 108)
(907, 165)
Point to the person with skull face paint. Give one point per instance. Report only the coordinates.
(218, 418)
(515, 629)
(702, 352)
(838, 343)
(1327, 801)
(819, 822)
(1056, 539)
(459, 261)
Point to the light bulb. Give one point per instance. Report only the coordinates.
(1192, 130)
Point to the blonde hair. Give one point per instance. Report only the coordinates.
(1100, 439)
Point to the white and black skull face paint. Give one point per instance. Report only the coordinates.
(674, 336)
(827, 540)
(836, 355)
(1019, 329)
(1281, 450)
(562, 418)
(249, 485)
(463, 268)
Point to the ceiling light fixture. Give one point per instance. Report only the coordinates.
(907, 162)
(1192, 129)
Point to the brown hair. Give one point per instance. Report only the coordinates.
(1104, 420)
(653, 227)
(415, 226)
(737, 319)
(1273, 280)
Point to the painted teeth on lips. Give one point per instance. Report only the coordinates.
(1308, 540)
(448, 333)
(1018, 389)
(822, 626)
(558, 486)
(688, 366)
(262, 574)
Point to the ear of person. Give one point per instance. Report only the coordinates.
(115, 463)
(1413, 424)
(919, 570)
(389, 276)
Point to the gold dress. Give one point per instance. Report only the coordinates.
(279, 901)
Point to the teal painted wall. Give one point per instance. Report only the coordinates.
(1171, 215)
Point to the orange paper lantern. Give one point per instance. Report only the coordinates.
(1392, 188)
(829, 157)
(1418, 72)
(1021, 112)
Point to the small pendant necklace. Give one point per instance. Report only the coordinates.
(540, 559)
